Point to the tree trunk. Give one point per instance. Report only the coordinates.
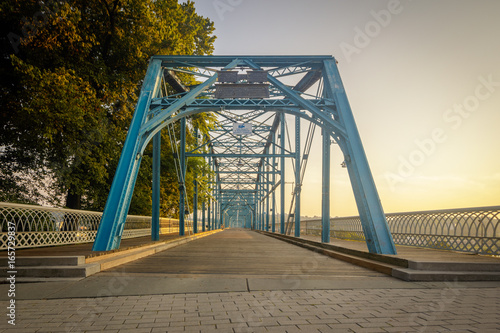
(73, 201)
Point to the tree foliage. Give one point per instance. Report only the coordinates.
(69, 78)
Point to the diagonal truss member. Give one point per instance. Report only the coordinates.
(252, 94)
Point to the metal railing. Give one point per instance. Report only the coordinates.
(473, 230)
(38, 226)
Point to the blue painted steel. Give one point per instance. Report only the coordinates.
(182, 185)
(235, 104)
(375, 227)
(314, 61)
(115, 211)
(304, 103)
(240, 156)
(267, 201)
(155, 214)
(330, 111)
(221, 212)
(273, 181)
(282, 175)
(195, 207)
(209, 213)
(325, 204)
(152, 126)
(203, 212)
(298, 185)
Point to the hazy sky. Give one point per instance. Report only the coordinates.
(423, 80)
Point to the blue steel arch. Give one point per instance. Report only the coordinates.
(332, 113)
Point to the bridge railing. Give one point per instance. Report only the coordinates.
(473, 230)
(38, 226)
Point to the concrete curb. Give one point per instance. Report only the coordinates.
(108, 261)
(61, 268)
(403, 269)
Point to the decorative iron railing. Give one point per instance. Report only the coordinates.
(37, 226)
(474, 230)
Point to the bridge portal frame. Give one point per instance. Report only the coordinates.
(331, 112)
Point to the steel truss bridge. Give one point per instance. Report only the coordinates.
(252, 96)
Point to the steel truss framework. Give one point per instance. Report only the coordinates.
(247, 169)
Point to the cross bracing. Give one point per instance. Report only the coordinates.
(260, 103)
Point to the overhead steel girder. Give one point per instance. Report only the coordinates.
(331, 111)
(236, 104)
(263, 61)
(240, 155)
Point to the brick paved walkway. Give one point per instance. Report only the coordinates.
(265, 280)
(451, 308)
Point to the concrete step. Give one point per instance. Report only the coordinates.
(454, 266)
(64, 268)
(49, 279)
(45, 261)
(374, 265)
(428, 276)
(55, 271)
(400, 268)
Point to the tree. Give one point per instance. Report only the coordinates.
(69, 77)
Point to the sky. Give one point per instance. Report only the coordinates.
(423, 81)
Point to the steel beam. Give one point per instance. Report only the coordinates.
(325, 204)
(273, 181)
(110, 230)
(182, 185)
(375, 227)
(282, 175)
(195, 207)
(331, 111)
(203, 212)
(242, 155)
(155, 214)
(298, 185)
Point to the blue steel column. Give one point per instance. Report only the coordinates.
(155, 214)
(255, 210)
(259, 209)
(182, 185)
(209, 202)
(267, 193)
(203, 216)
(110, 230)
(298, 185)
(220, 211)
(203, 211)
(212, 215)
(375, 227)
(282, 174)
(273, 205)
(217, 209)
(262, 207)
(195, 207)
(325, 205)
